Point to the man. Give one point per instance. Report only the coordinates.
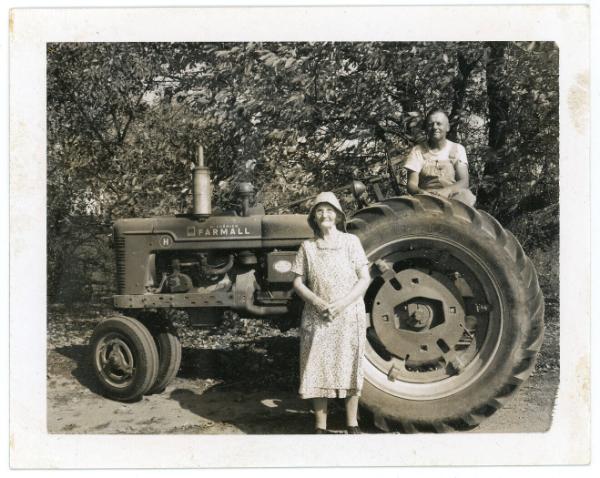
(439, 166)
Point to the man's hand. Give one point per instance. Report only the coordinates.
(444, 192)
(435, 184)
(433, 192)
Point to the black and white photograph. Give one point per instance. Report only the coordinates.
(283, 237)
(195, 166)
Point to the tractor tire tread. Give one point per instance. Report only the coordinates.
(476, 220)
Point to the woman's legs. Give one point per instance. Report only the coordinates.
(320, 407)
(352, 411)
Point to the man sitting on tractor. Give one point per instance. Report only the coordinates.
(439, 166)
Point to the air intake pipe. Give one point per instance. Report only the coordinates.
(202, 187)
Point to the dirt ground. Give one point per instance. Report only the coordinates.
(240, 379)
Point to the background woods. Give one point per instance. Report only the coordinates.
(293, 118)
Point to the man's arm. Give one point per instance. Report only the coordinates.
(462, 177)
(412, 184)
(413, 166)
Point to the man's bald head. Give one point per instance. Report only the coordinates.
(437, 112)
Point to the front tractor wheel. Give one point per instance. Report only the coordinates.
(124, 358)
(455, 314)
(169, 359)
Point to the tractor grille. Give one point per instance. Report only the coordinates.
(120, 263)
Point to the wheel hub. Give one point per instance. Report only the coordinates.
(417, 317)
(115, 361)
(420, 315)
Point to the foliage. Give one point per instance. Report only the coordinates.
(124, 120)
(521, 174)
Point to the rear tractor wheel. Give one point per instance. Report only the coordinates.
(455, 314)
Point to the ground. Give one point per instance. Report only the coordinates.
(239, 379)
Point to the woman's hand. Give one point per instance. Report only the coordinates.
(320, 305)
(308, 295)
(335, 308)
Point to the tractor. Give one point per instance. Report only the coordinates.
(455, 311)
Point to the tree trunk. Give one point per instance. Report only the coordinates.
(498, 105)
(459, 83)
(498, 102)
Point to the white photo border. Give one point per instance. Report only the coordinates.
(567, 442)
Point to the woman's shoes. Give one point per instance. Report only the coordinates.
(349, 431)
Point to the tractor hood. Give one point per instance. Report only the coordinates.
(220, 232)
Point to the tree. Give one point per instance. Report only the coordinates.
(294, 118)
(521, 167)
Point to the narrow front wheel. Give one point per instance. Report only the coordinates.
(124, 358)
(169, 359)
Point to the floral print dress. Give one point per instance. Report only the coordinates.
(331, 351)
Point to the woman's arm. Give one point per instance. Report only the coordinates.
(308, 295)
(361, 286)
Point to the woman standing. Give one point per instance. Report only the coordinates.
(332, 276)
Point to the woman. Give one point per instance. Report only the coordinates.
(332, 276)
(439, 166)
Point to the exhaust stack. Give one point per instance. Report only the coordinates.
(202, 188)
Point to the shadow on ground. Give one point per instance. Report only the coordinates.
(270, 363)
(249, 385)
(251, 413)
(83, 372)
(252, 387)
